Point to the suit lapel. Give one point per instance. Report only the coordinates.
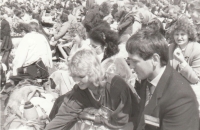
(162, 84)
(153, 107)
(188, 52)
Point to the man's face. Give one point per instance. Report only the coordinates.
(173, 14)
(143, 68)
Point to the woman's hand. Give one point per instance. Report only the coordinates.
(179, 55)
(86, 116)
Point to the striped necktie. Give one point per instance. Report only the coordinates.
(149, 92)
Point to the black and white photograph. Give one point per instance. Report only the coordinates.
(100, 64)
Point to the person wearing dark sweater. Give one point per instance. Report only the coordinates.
(94, 93)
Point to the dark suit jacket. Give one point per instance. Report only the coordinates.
(173, 103)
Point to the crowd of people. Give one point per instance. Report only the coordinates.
(91, 65)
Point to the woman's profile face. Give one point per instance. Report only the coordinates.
(96, 46)
(82, 81)
(77, 39)
(181, 37)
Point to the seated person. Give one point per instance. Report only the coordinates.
(33, 47)
(167, 100)
(125, 23)
(78, 34)
(184, 55)
(64, 27)
(95, 93)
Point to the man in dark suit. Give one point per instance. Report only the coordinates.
(167, 100)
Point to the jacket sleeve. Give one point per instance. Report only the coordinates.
(192, 71)
(61, 32)
(128, 21)
(126, 106)
(181, 113)
(67, 115)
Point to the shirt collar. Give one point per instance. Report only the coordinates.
(155, 81)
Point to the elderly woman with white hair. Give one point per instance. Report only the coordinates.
(102, 99)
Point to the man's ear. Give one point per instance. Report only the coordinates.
(155, 59)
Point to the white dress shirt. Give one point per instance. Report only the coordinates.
(32, 47)
(150, 89)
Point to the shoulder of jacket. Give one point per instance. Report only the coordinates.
(110, 78)
(196, 44)
(195, 47)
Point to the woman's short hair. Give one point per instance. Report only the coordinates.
(78, 28)
(185, 25)
(85, 63)
(147, 42)
(106, 38)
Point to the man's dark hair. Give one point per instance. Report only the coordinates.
(147, 42)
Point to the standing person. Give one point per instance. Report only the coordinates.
(6, 45)
(167, 100)
(34, 46)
